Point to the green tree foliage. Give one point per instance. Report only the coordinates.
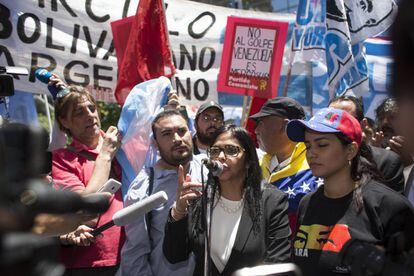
(109, 113)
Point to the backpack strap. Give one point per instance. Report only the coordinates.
(148, 216)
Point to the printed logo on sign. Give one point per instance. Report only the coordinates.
(310, 28)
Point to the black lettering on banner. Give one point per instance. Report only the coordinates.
(201, 34)
(9, 58)
(65, 5)
(6, 25)
(94, 17)
(76, 31)
(68, 78)
(93, 51)
(97, 76)
(186, 92)
(125, 9)
(192, 60)
(21, 30)
(201, 58)
(36, 64)
(110, 51)
(197, 91)
(49, 39)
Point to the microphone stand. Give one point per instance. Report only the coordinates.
(208, 207)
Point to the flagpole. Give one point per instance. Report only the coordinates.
(173, 83)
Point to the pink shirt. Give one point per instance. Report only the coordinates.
(72, 171)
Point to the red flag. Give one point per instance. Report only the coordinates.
(147, 54)
(254, 108)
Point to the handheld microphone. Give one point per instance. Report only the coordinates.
(44, 76)
(215, 167)
(129, 214)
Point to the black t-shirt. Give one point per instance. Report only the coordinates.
(325, 225)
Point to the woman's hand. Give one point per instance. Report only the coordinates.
(186, 191)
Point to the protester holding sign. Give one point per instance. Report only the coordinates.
(83, 167)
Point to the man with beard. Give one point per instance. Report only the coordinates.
(208, 120)
(142, 252)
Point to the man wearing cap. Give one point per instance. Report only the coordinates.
(284, 162)
(208, 120)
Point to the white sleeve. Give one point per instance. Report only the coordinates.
(137, 247)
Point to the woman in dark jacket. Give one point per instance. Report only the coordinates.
(249, 223)
(351, 205)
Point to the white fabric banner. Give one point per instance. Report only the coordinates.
(74, 38)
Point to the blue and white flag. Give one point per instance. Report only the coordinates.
(332, 32)
(349, 23)
(308, 38)
(141, 106)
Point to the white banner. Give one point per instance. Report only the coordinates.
(74, 38)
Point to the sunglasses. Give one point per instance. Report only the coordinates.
(228, 150)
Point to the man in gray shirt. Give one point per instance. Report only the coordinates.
(142, 252)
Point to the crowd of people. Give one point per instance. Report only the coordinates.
(299, 193)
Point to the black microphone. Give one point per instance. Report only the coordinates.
(41, 198)
(129, 214)
(215, 167)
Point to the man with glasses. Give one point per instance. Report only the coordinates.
(284, 162)
(208, 120)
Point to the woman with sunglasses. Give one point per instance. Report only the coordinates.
(249, 223)
(350, 205)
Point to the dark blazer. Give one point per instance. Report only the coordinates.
(390, 165)
(270, 245)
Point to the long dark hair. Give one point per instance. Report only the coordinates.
(252, 183)
(363, 169)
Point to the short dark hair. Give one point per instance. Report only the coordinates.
(387, 108)
(164, 114)
(403, 47)
(359, 104)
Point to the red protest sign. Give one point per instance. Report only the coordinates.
(252, 57)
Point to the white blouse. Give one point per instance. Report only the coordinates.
(224, 225)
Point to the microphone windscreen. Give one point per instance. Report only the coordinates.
(136, 210)
(43, 75)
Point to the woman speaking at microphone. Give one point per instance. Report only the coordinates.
(249, 223)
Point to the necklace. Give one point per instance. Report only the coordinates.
(231, 210)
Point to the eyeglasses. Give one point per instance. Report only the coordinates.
(229, 150)
(208, 119)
